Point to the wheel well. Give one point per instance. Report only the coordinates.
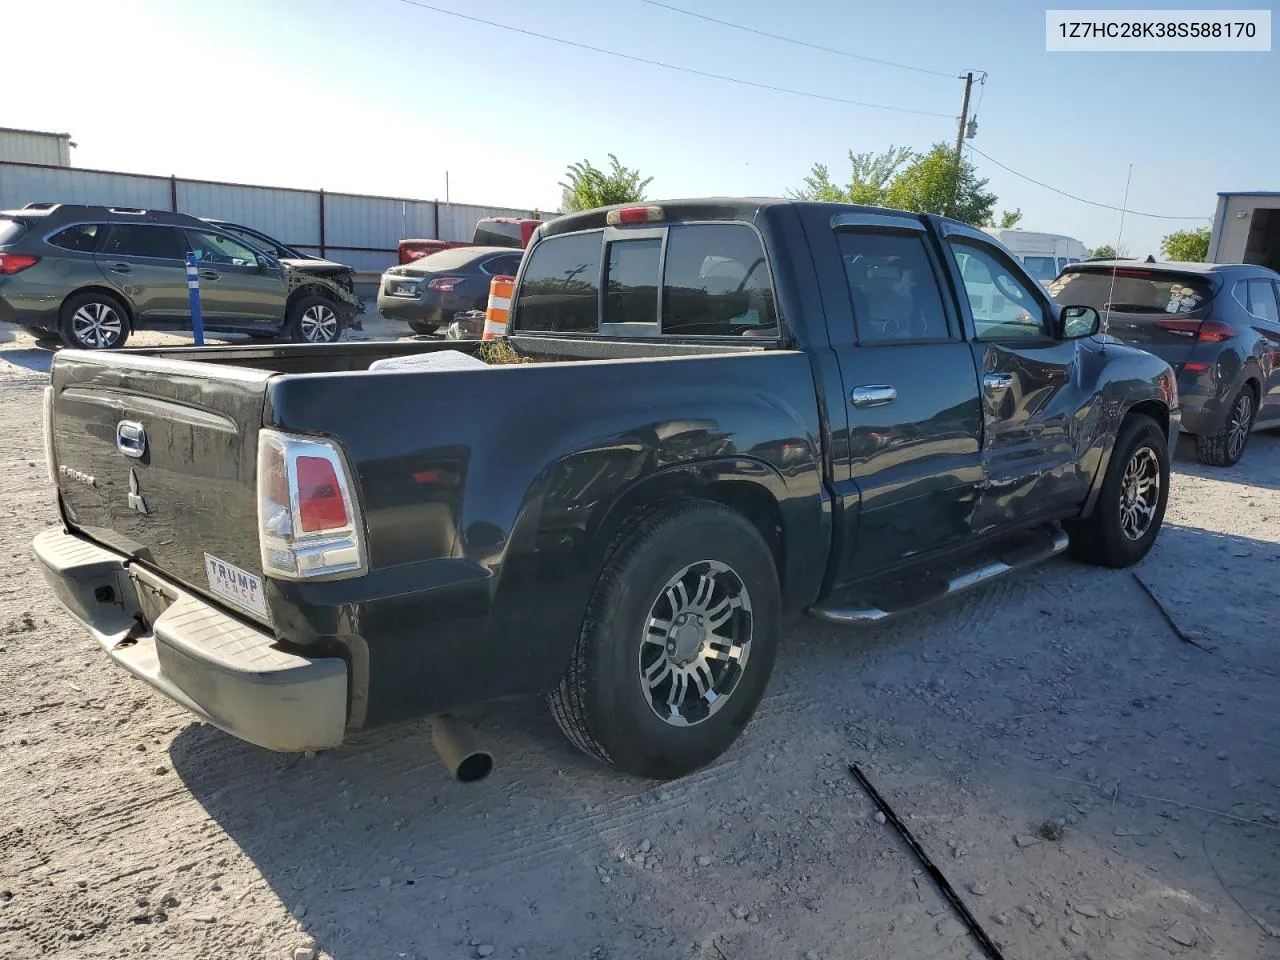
(1154, 409)
(1255, 388)
(752, 500)
(309, 290)
(101, 291)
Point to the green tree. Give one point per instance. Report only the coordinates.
(1007, 221)
(586, 186)
(1110, 252)
(934, 183)
(870, 176)
(1191, 245)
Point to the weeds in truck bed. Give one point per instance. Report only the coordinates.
(500, 351)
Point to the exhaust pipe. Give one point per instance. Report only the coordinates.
(458, 747)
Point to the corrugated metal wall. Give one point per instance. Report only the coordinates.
(20, 184)
(31, 146)
(360, 230)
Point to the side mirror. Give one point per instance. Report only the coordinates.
(1077, 322)
(266, 262)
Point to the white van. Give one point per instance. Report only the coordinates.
(1043, 254)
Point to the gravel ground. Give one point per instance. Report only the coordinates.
(1093, 785)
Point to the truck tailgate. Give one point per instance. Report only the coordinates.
(155, 458)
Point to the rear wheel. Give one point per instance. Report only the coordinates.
(677, 644)
(313, 319)
(93, 321)
(1130, 508)
(1225, 448)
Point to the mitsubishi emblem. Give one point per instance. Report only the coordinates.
(136, 500)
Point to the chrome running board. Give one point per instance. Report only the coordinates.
(1049, 544)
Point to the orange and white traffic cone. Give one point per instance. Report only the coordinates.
(501, 290)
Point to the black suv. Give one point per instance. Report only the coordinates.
(92, 275)
(1216, 324)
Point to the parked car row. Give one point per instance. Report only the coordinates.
(90, 276)
(436, 290)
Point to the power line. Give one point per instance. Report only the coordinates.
(1072, 196)
(674, 66)
(799, 43)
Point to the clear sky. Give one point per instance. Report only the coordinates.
(378, 96)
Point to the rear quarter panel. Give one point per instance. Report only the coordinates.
(490, 497)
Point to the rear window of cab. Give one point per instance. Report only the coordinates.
(686, 279)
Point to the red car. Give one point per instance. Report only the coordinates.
(489, 232)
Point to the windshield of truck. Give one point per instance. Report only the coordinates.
(1134, 291)
(1043, 269)
(496, 233)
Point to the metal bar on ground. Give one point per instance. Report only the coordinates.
(193, 293)
(944, 886)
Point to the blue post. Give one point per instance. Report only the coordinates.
(193, 291)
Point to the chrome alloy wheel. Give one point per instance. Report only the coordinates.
(97, 325)
(1139, 493)
(1238, 425)
(696, 642)
(319, 324)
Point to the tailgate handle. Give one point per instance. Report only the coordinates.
(131, 438)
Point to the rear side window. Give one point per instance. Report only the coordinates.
(138, 240)
(1131, 291)
(717, 282)
(631, 291)
(82, 238)
(561, 286)
(1262, 300)
(10, 230)
(892, 287)
(502, 266)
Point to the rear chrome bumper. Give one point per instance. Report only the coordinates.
(218, 667)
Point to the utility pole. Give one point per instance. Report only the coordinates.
(964, 117)
(446, 173)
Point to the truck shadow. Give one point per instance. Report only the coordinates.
(962, 712)
(34, 358)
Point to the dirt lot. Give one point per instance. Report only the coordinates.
(1060, 696)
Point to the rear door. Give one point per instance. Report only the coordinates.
(237, 291)
(1265, 311)
(1031, 397)
(913, 444)
(146, 263)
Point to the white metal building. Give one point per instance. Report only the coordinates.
(35, 146)
(1246, 229)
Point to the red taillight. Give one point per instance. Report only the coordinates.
(444, 284)
(634, 215)
(308, 516)
(13, 262)
(1195, 367)
(320, 505)
(1215, 331)
(1211, 331)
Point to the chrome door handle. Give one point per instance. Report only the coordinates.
(873, 396)
(121, 268)
(209, 275)
(997, 383)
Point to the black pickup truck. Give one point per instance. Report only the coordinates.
(721, 412)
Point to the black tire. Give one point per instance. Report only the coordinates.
(603, 703)
(423, 329)
(1101, 538)
(93, 321)
(314, 319)
(1226, 447)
